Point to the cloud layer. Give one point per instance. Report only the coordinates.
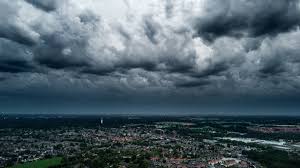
(170, 48)
(251, 18)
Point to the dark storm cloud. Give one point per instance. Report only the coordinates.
(193, 83)
(51, 54)
(150, 28)
(247, 18)
(16, 35)
(16, 66)
(169, 8)
(149, 66)
(88, 17)
(2, 79)
(14, 57)
(12, 28)
(67, 47)
(178, 68)
(272, 68)
(212, 70)
(101, 72)
(47, 5)
(124, 33)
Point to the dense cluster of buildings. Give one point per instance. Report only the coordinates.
(166, 148)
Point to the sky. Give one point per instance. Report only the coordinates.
(233, 57)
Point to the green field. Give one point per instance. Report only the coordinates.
(40, 163)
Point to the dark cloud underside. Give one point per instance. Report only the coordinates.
(47, 5)
(248, 18)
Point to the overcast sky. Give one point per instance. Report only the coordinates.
(150, 56)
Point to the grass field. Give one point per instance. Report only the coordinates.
(40, 163)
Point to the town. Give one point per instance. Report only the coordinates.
(146, 142)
